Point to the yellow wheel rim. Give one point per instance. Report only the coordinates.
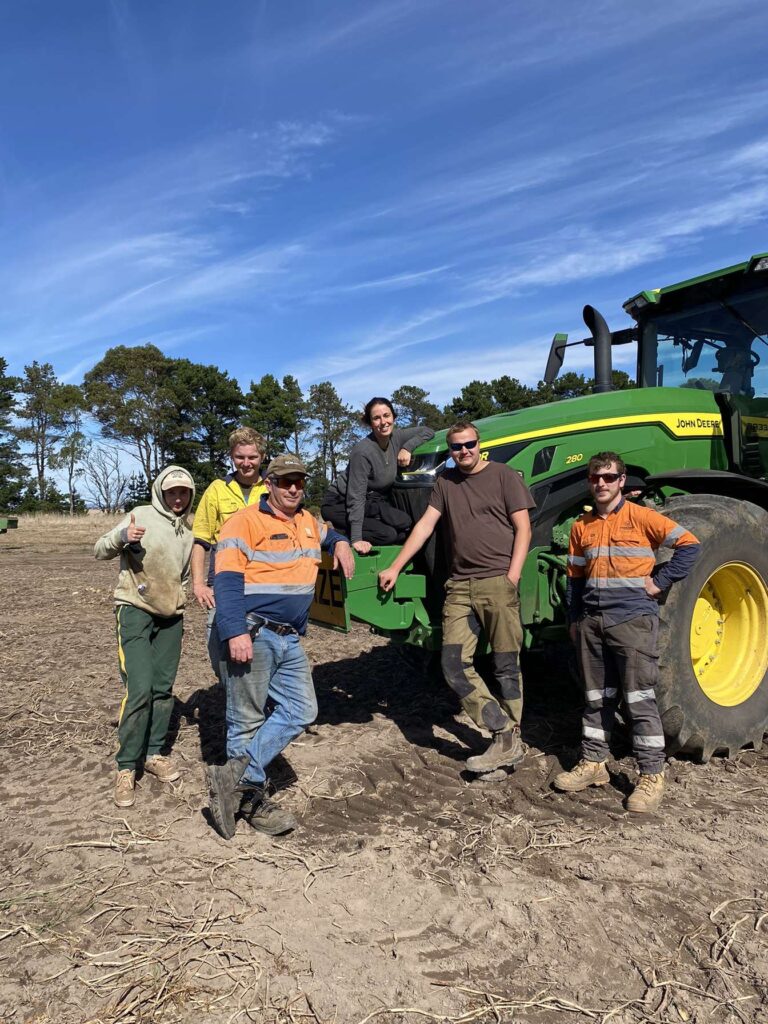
(729, 634)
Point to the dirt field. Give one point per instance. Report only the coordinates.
(410, 892)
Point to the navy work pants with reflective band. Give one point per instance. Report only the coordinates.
(148, 651)
(621, 658)
(492, 606)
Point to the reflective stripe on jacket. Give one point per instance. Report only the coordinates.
(609, 559)
(268, 565)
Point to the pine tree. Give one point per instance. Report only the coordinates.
(12, 471)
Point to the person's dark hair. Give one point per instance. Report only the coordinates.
(366, 417)
(459, 427)
(603, 459)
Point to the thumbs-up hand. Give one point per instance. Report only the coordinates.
(134, 533)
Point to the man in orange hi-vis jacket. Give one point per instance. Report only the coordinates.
(613, 586)
(266, 566)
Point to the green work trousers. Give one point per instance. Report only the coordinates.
(492, 606)
(148, 651)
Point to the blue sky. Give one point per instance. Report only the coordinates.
(378, 193)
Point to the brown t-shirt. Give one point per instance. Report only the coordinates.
(477, 509)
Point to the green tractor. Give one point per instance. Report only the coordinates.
(694, 436)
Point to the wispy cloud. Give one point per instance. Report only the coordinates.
(436, 188)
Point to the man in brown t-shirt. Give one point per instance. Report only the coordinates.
(485, 506)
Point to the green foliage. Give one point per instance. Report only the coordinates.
(474, 403)
(43, 408)
(52, 501)
(509, 394)
(505, 394)
(130, 394)
(12, 471)
(414, 409)
(74, 446)
(297, 408)
(273, 410)
(206, 407)
(702, 384)
(138, 492)
(337, 428)
(622, 381)
(165, 410)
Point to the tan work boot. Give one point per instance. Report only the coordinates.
(505, 750)
(647, 794)
(124, 793)
(163, 768)
(585, 774)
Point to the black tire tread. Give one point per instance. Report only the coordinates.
(693, 724)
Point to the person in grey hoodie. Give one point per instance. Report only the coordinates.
(154, 543)
(357, 500)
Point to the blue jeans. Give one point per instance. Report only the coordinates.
(279, 670)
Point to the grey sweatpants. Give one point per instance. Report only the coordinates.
(621, 658)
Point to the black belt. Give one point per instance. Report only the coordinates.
(259, 622)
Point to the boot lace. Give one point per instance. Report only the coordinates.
(585, 767)
(647, 784)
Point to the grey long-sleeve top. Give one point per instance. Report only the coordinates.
(372, 468)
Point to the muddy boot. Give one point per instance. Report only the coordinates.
(585, 774)
(223, 795)
(124, 793)
(647, 794)
(265, 815)
(506, 749)
(162, 768)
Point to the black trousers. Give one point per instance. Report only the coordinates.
(382, 522)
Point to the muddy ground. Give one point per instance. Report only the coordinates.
(411, 891)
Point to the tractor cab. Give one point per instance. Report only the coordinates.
(711, 334)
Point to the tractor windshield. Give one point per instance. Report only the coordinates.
(718, 346)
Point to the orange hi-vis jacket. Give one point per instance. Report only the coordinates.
(268, 565)
(609, 559)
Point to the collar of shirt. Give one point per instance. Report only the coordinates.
(621, 504)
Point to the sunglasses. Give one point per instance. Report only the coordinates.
(285, 484)
(469, 445)
(610, 478)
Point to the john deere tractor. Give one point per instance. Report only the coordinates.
(694, 436)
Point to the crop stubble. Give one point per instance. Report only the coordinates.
(410, 893)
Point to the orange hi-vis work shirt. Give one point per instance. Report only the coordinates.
(609, 559)
(268, 565)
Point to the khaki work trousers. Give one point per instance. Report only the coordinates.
(492, 606)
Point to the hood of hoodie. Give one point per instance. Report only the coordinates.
(159, 503)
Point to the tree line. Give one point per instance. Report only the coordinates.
(63, 446)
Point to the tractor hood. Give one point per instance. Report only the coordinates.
(677, 412)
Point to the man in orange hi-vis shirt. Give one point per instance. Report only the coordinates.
(613, 586)
(266, 566)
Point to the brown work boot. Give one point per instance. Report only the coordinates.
(585, 774)
(124, 793)
(163, 768)
(506, 749)
(647, 794)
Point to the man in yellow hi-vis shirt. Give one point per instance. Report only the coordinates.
(240, 488)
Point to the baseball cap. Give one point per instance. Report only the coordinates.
(177, 478)
(285, 465)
